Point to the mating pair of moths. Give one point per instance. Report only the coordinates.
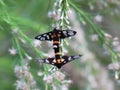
(56, 35)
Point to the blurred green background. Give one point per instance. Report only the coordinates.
(32, 16)
(28, 14)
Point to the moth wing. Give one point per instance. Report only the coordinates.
(47, 61)
(44, 37)
(70, 58)
(67, 33)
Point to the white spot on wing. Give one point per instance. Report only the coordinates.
(44, 34)
(64, 62)
(47, 61)
(76, 56)
(53, 63)
(69, 58)
(70, 33)
(48, 37)
(39, 37)
(65, 33)
(55, 46)
(49, 33)
(42, 38)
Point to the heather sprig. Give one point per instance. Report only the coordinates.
(60, 14)
(21, 21)
(108, 42)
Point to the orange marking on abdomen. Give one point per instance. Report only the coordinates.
(58, 60)
(56, 42)
(57, 53)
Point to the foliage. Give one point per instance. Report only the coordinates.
(22, 20)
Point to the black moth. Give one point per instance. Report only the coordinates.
(61, 34)
(55, 36)
(59, 62)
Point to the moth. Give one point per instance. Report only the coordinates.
(59, 62)
(56, 35)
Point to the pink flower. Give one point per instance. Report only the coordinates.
(98, 18)
(48, 78)
(36, 43)
(94, 37)
(12, 51)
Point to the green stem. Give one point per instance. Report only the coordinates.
(99, 31)
(46, 86)
(83, 14)
(19, 51)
